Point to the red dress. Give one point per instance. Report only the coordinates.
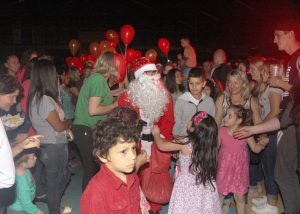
(154, 176)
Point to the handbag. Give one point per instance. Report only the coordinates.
(155, 179)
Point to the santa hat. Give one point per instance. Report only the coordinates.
(142, 64)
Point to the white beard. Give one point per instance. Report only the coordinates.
(149, 94)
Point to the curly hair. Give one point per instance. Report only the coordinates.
(108, 133)
(242, 113)
(204, 138)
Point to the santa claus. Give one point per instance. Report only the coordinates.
(152, 101)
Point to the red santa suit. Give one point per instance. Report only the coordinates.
(154, 175)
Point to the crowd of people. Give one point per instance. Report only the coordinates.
(194, 136)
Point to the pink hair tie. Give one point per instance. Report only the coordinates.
(199, 117)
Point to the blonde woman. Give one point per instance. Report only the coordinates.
(94, 102)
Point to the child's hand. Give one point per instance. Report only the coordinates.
(258, 148)
(141, 159)
(155, 130)
(263, 141)
(21, 137)
(31, 142)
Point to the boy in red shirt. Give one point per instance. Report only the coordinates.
(114, 189)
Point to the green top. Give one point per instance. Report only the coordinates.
(25, 192)
(93, 86)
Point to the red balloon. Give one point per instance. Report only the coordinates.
(130, 55)
(74, 46)
(164, 45)
(112, 44)
(103, 44)
(94, 49)
(138, 54)
(151, 54)
(120, 64)
(127, 34)
(112, 35)
(73, 61)
(83, 58)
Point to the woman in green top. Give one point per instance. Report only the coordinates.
(94, 102)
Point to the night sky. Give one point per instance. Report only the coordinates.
(241, 27)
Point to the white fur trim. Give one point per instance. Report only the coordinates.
(147, 67)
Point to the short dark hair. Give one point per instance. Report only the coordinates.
(288, 24)
(9, 84)
(125, 113)
(108, 132)
(196, 72)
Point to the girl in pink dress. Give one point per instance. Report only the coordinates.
(194, 189)
(233, 161)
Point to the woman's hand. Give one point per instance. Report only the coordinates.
(243, 132)
(155, 130)
(141, 159)
(31, 142)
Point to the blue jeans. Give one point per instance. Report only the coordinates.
(52, 174)
(268, 159)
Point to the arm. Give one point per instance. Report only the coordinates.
(278, 83)
(219, 109)
(141, 159)
(30, 142)
(267, 126)
(58, 125)
(164, 145)
(255, 110)
(263, 138)
(275, 100)
(96, 108)
(74, 91)
(255, 147)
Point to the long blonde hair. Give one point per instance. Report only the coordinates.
(242, 76)
(105, 63)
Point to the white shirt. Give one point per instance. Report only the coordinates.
(7, 167)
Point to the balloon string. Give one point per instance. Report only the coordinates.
(120, 48)
(125, 57)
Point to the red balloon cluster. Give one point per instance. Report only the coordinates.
(127, 34)
(164, 45)
(75, 62)
(132, 54)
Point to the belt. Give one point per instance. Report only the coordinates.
(147, 137)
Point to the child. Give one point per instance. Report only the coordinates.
(191, 102)
(233, 161)
(114, 189)
(25, 185)
(194, 189)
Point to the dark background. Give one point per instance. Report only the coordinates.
(241, 27)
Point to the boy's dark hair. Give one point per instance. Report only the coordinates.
(23, 156)
(197, 72)
(125, 113)
(244, 114)
(107, 133)
(9, 84)
(204, 138)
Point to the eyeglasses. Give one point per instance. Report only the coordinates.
(152, 73)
